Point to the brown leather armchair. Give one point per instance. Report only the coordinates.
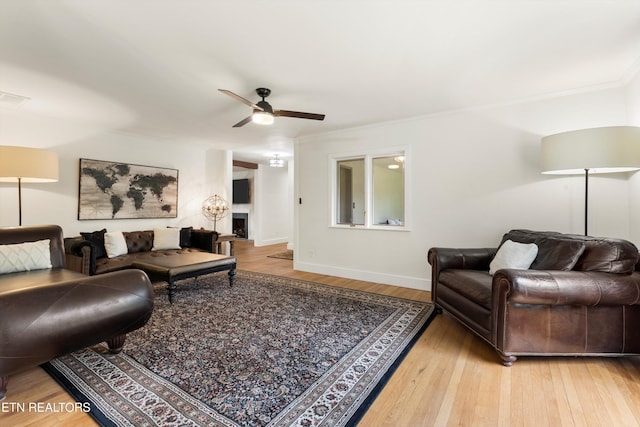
(581, 296)
(48, 312)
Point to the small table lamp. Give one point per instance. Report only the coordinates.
(24, 164)
(591, 151)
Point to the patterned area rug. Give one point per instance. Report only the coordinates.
(269, 351)
(288, 254)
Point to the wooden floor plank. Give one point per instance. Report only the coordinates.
(450, 377)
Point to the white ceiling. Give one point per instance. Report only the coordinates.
(153, 67)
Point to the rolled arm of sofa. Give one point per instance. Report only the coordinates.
(40, 323)
(465, 258)
(547, 287)
(80, 255)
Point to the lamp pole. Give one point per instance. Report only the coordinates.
(19, 201)
(586, 200)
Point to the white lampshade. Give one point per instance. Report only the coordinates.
(598, 150)
(24, 164)
(28, 164)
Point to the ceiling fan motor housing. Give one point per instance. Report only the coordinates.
(265, 106)
(263, 92)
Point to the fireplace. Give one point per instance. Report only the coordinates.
(241, 225)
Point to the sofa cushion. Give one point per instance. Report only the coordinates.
(115, 244)
(165, 238)
(606, 255)
(513, 255)
(555, 251)
(97, 239)
(122, 262)
(25, 256)
(472, 284)
(20, 281)
(138, 241)
(558, 254)
(185, 237)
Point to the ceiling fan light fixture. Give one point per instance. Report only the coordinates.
(262, 117)
(276, 162)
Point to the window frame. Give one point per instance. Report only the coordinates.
(368, 156)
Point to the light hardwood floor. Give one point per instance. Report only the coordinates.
(450, 377)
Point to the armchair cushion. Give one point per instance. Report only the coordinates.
(558, 254)
(606, 255)
(472, 284)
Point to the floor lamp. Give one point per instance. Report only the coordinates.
(215, 208)
(24, 164)
(591, 151)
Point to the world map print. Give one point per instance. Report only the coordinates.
(112, 190)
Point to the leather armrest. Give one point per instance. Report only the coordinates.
(465, 258)
(546, 287)
(70, 242)
(81, 256)
(42, 322)
(204, 239)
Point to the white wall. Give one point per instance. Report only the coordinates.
(475, 174)
(633, 102)
(201, 173)
(273, 208)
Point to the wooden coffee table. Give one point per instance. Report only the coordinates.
(172, 268)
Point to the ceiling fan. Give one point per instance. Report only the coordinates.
(263, 113)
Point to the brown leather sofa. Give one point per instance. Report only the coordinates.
(87, 255)
(581, 296)
(48, 312)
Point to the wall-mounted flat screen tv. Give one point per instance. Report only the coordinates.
(241, 191)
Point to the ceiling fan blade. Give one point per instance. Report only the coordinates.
(242, 122)
(241, 99)
(298, 115)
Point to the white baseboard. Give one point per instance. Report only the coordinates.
(369, 276)
(270, 241)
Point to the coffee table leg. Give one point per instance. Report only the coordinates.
(171, 289)
(232, 276)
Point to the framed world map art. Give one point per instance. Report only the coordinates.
(113, 190)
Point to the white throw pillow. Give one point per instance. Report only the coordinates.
(166, 238)
(514, 255)
(115, 244)
(25, 256)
